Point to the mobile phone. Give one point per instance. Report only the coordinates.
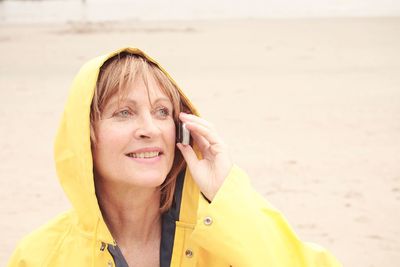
(183, 134)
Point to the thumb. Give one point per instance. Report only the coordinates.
(188, 154)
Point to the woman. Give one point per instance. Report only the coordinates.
(135, 202)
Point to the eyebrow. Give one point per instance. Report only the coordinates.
(162, 99)
(131, 101)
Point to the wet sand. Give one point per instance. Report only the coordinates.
(310, 108)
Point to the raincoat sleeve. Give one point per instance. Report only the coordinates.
(242, 228)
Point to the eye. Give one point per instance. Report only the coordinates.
(125, 113)
(162, 112)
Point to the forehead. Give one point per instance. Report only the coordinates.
(121, 78)
(141, 91)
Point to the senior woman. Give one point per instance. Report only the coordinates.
(139, 197)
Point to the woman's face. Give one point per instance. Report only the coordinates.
(135, 138)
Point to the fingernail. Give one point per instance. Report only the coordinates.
(180, 145)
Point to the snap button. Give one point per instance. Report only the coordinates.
(109, 264)
(208, 220)
(189, 253)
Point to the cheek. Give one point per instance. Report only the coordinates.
(109, 139)
(170, 135)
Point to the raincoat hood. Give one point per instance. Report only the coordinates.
(73, 155)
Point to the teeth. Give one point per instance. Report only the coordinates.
(144, 155)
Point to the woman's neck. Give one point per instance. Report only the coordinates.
(132, 214)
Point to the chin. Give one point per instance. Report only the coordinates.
(148, 181)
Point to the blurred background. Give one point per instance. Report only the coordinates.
(306, 93)
(30, 11)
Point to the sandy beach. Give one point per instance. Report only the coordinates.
(310, 109)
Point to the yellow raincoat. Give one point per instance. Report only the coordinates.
(239, 228)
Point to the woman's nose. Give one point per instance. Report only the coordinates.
(146, 127)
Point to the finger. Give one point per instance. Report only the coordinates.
(202, 144)
(196, 119)
(209, 135)
(200, 141)
(188, 154)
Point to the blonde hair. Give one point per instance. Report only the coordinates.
(115, 76)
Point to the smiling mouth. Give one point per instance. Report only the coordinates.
(145, 155)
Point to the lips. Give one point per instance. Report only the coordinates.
(145, 153)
